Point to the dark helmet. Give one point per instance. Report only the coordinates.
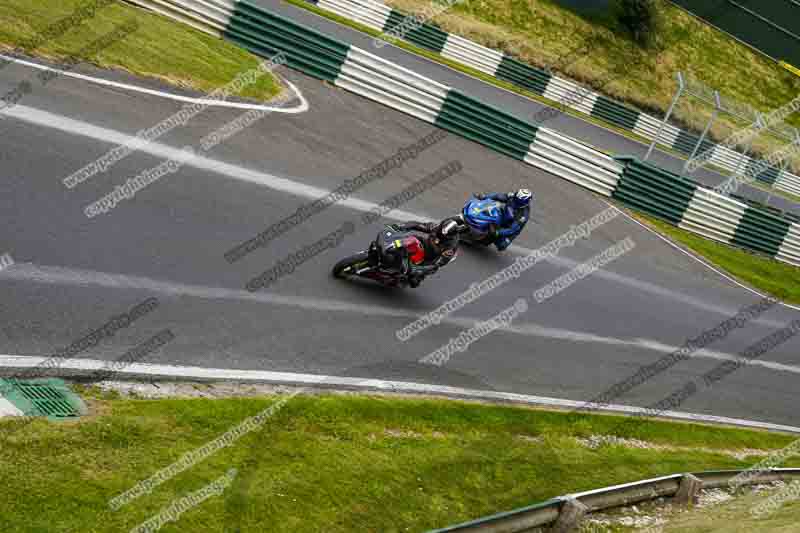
(445, 236)
(447, 232)
(522, 198)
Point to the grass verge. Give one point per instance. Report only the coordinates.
(159, 48)
(331, 463)
(758, 271)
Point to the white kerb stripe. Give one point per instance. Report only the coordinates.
(199, 22)
(380, 66)
(790, 247)
(720, 156)
(571, 95)
(373, 19)
(707, 209)
(788, 182)
(484, 59)
(644, 127)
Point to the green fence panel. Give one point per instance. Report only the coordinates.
(664, 194)
(614, 112)
(767, 176)
(654, 190)
(424, 35)
(486, 125)
(761, 231)
(523, 75)
(265, 33)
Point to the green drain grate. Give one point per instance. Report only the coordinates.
(42, 397)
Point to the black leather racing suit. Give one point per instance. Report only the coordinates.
(437, 252)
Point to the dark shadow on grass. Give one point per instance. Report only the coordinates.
(597, 12)
(239, 496)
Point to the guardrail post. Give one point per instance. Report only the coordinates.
(688, 489)
(681, 86)
(569, 516)
(699, 144)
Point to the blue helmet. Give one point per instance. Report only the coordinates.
(522, 198)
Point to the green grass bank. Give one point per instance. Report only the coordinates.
(159, 47)
(333, 463)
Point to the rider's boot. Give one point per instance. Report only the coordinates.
(502, 243)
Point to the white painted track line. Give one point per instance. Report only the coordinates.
(30, 272)
(698, 259)
(297, 188)
(300, 108)
(195, 372)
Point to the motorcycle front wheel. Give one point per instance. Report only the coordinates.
(349, 265)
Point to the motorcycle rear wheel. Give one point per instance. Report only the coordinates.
(347, 266)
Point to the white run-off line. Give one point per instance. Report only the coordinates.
(195, 372)
(106, 135)
(301, 107)
(65, 276)
(237, 172)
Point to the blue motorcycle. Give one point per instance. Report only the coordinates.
(483, 217)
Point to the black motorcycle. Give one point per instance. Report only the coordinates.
(367, 263)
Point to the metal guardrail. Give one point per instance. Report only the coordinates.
(640, 185)
(688, 205)
(548, 512)
(368, 75)
(383, 18)
(635, 183)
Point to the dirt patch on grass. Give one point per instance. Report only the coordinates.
(596, 441)
(405, 434)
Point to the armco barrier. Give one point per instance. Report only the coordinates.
(636, 184)
(383, 18)
(695, 208)
(358, 71)
(546, 513)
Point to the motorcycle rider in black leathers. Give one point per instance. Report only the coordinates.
(439, 245)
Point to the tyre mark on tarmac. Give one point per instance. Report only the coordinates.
(76, 127)
(66, 276)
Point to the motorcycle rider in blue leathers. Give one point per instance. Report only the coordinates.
(516, 211)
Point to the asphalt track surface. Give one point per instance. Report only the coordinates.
(72, 274)
(515, 104)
